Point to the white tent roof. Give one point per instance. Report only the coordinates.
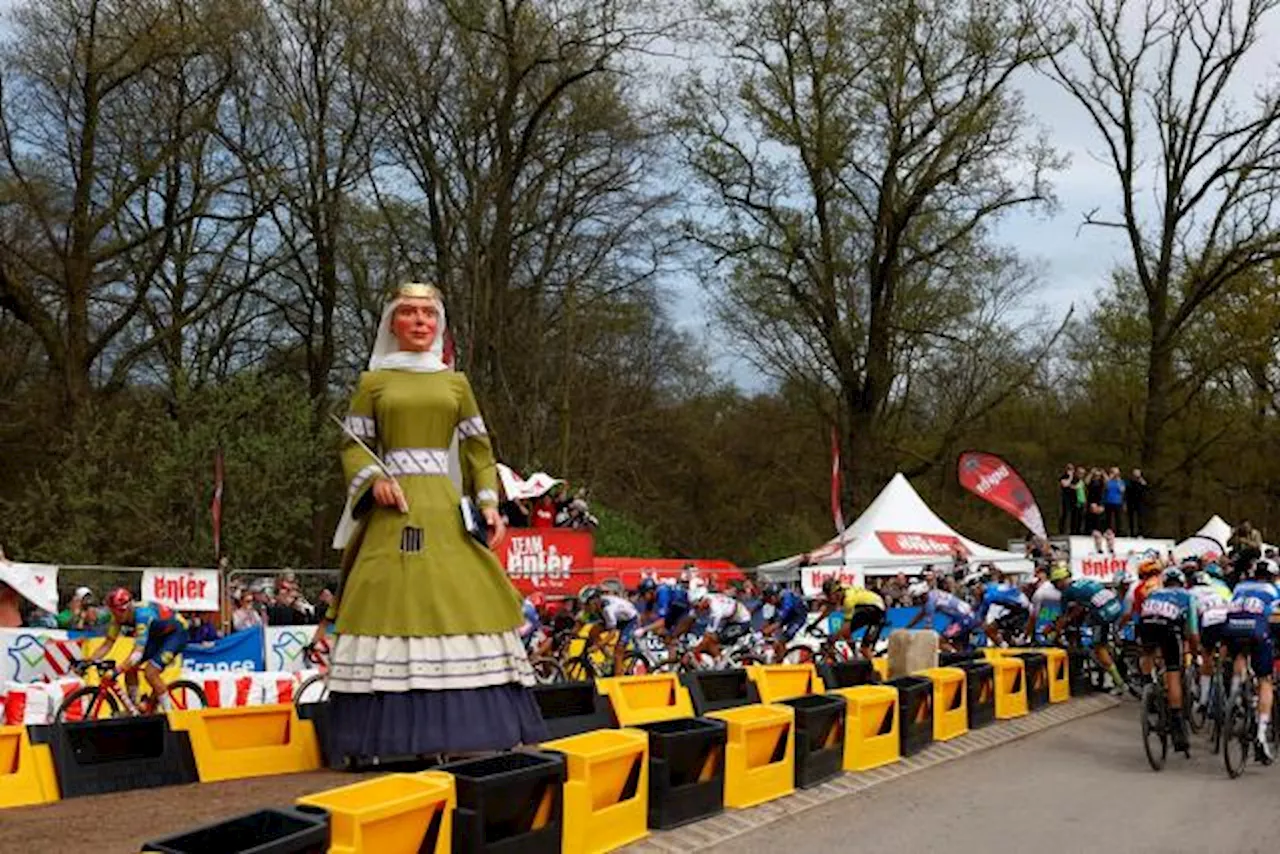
(1211, 538)
(897, 531)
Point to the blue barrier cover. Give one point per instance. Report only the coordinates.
(241, 650)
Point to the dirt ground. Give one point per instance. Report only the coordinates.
(121, 823)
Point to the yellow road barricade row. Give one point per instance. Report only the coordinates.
(252, 741)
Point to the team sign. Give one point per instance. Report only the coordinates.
(183, 589)
(546, 558)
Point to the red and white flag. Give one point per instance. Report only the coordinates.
(837, 515)
(216, 508)
(993, 480)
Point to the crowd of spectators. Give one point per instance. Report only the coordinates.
(553, 509)
(1097, 502)
(276, 602)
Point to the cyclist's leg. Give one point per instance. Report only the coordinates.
(1263, 663)
(626, 632)
(1103, 653)
(872, 618)
(153, 666)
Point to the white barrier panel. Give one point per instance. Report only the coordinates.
(35, 655)
(284, 648)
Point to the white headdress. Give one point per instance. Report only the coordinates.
(387, 356)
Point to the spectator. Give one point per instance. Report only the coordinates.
(516, 512)
(544, 512)
(1095, 493)
(578, 516)
(285, 611)
(10, 612)
(1113, 499)
(959, 561)
(202, 630)
(1077, 521)
(894, 591)
(1067, 499)
(246, 615)
(80, 613)
(1135, 497)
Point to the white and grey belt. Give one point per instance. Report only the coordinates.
(404, 462)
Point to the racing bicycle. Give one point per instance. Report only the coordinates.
(108, 699)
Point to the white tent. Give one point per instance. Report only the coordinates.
(896, 533)
(1212, 538)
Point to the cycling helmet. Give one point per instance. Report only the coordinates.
(1060, 573)
(697, 594)
(648, 585)
(1175, 576)
(920, 588)
(118, 599)
(829, 586)
(1213, 569)
(537, 600)
(589, 593)
(1149, 567)
(770, 591)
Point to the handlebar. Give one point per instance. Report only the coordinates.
(86, 664)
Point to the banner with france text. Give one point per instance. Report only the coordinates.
(183, 589)
(238, 651)
(995, 481)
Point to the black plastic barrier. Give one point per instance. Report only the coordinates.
(686, 770)
(572, 708)
(301, 830)
(510, 802)
(717, 690)
(820, 721)
(980, 685)
(1081, 672)
(956, 659)
(915, 712)
(118, 755)
(849, 674)
(1036, 665)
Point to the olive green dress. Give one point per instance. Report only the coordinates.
(427, 659)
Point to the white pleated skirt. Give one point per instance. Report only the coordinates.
(362, 664)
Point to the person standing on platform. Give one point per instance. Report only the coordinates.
(428, 660)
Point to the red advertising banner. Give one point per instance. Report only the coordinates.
(995, 481)
(920, 545)
(547, 559)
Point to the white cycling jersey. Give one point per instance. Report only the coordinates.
(724, 610)
(1045, 595)
(617, 611)
(1211, 605)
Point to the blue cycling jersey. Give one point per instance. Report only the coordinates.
(791, 608)
(1257, 599)
(1172, 605)
(531, 617)
(1101, 601)
(671, 598)
(1005, 595)
(150, 619)
(942, 602)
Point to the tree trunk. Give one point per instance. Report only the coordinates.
(1155, 416)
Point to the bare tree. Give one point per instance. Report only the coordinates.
(79, 152)
(853, 158)
(1195, 160)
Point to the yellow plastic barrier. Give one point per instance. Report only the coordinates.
(1059, 674)
(950, 702)
(254, 741)
(760, 756)
(26, 770)
(398, 812)
(881, 666)
(606, 795)
(871, 726)
(1011, 687)
(647, 699)
(778, 682)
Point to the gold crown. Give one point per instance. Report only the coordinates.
(419, 290)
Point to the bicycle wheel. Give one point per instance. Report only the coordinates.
(1217, 711)
(578, 669)
(1191, 700)
(1237, 736)
(313, 689)
(547, 671)
(798, 655)
(634, 664)
(87, 704)
(184, 695)
(1155, 735)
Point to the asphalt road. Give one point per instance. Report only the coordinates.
(1082, 787)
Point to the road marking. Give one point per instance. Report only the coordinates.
(709, 833)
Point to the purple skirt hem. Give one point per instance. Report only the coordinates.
(423, 723)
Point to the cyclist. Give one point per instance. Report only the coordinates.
(532, 612)
(606, 612)
(1169, 616)
(1014, 609)
(1085, 598)
(790, 613)
(960, 617)
(728, 620)
(862, 608)
(667, 610)
(1148, 580)
(159, 636)
(1212, 603)
(1248, 631)
(1046, 603)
